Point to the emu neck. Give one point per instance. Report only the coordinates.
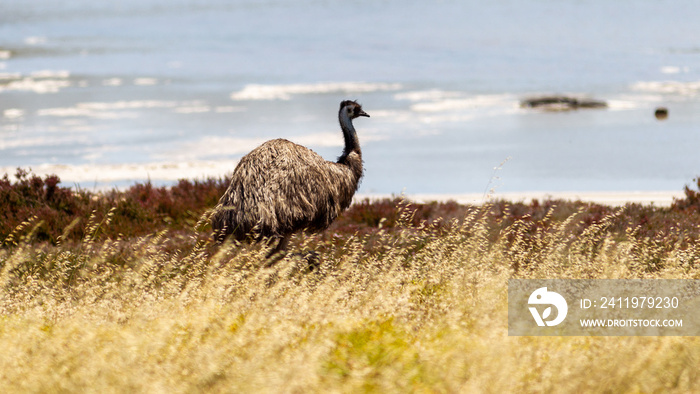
(350, 136)
(352, 156)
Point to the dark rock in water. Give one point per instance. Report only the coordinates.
(661, 113)
(561, 103)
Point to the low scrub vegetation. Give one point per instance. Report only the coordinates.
(124, 291)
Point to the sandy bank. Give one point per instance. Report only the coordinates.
(657, 198)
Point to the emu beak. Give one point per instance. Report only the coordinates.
(363, 113)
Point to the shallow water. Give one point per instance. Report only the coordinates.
(107, 94)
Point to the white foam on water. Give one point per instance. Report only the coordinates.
(131, 104)
(112, 82)
(50, 74)
(5, 54)
(32, 85)
(229, 109)
(106, 173)
(86, 112)
(440, 109)
(427, 95)
(114, 110)
(504, 101)
(193, 109)
(10, 76)
(670, 70)
(448, 118)
(622, 105)
(285, 92)
(436, 106)
(13, 113)
(35, 40)
(15, 143)
(685, 89)
(44, 81)
(145, 81)
(631, 101)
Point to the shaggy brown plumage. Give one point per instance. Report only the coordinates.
(280, 188)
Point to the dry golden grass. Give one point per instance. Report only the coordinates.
(423, 308)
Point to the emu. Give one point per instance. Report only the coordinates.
(281, 188)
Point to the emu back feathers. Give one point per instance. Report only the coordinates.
(281, 187)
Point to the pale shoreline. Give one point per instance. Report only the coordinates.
(120, 176)
(616, 198)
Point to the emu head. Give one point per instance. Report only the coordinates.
(353, 108)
